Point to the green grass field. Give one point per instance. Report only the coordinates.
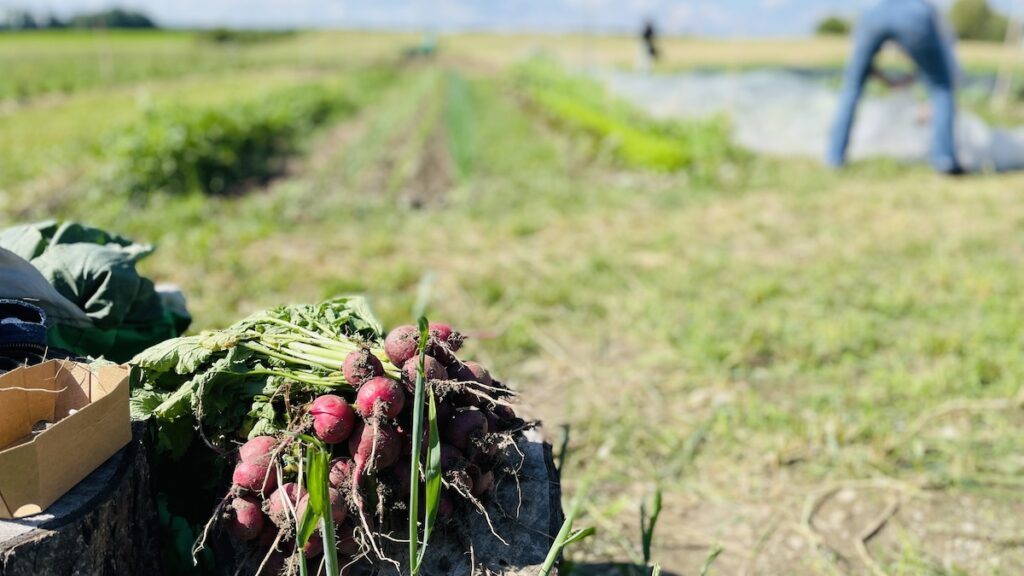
(822, 371)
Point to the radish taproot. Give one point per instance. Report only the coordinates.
(340, 472)
(254, 476)
(401, 344)
(333, 418)
(480, 374)
(380, 396)
(338, 511)
(361, 365)
(445, 334)
(432, 369)
(465, 429)
(258, 450)
(246, 518)
(374, 451)
(280, 504)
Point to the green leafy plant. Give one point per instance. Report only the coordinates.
(217, 150)
(581, 104)
(648, 523)
(566, 535)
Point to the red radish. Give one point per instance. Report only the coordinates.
(254, 476)
(314, 546)
(361, 365)
(385, 447)
(464, 428)
(374, 447)
(440, 331)
(480, 374)
(246, 521)
(280, 502)
(340, 472)
(258, 450)
(338, 511)
(380, 395)
(506, 418)
(401, 344)
(492, 419)
(445, 334)
(333, 418)
(432, 369)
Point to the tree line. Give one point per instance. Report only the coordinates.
(970, 19)
(113, 18)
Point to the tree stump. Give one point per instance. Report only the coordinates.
(106, 525)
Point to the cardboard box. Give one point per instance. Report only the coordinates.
(37, 469)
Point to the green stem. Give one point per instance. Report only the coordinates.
(414, 472)
(330, 543)
(305, 378)
(293, 358)
(563, 535)
(326, 353)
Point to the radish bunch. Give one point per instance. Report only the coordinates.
(369, 432)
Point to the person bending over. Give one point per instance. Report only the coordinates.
(915, 26)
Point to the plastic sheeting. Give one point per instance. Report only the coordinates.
(790, 113)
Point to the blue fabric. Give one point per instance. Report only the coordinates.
(22, 323)
(914, 26)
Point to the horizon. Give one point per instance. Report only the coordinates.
(700, 18)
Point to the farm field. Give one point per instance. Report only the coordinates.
(822, 371)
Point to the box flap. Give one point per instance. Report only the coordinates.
(19, 478)
(77, 381)
(27, 395)
(5, 512)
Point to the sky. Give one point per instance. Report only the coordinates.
(719, 18)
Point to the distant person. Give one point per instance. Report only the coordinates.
(648, 47)
(916, 27)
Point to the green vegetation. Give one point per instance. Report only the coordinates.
(798, 339)
(833, 26)
(230, 36)
(215, 150)
(579, 103)
(977, 20)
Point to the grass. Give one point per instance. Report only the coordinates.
(743, 345)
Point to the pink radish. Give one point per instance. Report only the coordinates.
(338, 511)
(432, 369)
(257, 477)
(280, 502)
(246, 518)
(361, 365)
(401, 344)
(380, 396)
(333, 418)
(340, 472)
(258, 450)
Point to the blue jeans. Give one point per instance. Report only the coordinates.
(914, 26)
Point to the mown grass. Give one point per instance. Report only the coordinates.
(742, 344)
